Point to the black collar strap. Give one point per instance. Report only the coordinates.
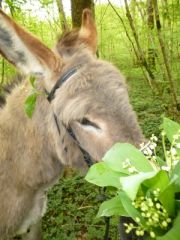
(86, 155)
(61, 80)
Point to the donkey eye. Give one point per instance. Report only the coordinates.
(87, 122)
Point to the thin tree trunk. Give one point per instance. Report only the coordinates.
(165, 55)
(62, 16)
(166, 9)
(140, 10)
(150, 25)
(140, 51)
(77, 7)
(146, 75)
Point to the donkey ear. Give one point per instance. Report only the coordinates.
(24, 50)
(88, 32)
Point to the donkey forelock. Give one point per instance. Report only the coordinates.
(93, 102)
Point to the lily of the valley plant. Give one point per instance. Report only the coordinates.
(145, 186)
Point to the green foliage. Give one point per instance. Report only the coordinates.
(101, 172)
(130, 184)
(171, 129)
(72, 205)
(115, 48)
(30, 103)
(15, 4)
(46, 2)
(146, 192)
(115, 157)
(112, 207)
(173, 233)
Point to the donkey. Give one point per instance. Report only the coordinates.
(90, 98)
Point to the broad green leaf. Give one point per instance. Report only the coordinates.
(32, 81)
(176, 174)
(161, 180)
(167, 198)
(117, 155)
(130, 184)
(171, 128)
(173, 233)
(177, 202)
(130, 209)
(100, 174)
(112, 207)
(30, 103)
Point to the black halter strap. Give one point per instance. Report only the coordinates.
(51, 96)
(61, 80)
(86, 155)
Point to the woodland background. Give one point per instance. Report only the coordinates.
(140, 37)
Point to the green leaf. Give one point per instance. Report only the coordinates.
(166, 197)
(101, 175)
(173, 233)
(176, 175)
(171, 128)
(112, 207)
(115, 157)
(130, 184)
(32, 81)
(160, 180)
(29, 105)
(177, 202)
(130, 209)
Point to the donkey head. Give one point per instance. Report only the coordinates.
(92, 101)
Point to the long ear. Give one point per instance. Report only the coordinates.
(24, 50)
(88, 32)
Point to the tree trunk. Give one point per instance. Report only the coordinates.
(166, 13)
(62, 16)
(165, 55)
(141, 11)
(77, 7)
(150, 25)
(145, 73)
(140, 51)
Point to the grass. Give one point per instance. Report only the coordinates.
(72, 209)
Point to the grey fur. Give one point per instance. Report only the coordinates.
(5, 38)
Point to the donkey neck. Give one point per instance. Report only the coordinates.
(29, 145)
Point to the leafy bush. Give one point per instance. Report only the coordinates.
(146, 187)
